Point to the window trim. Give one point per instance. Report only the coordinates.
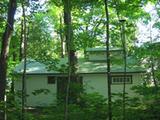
(121, 76)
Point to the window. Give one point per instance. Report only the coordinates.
(51, 80)
(119, 79)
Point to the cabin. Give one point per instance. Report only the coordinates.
(43, 85)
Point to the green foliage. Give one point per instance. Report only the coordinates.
(94, 107)
(88, 17)
(143, 107)
(3, 16)
(91, 106)
(157, 25)
(149, 55)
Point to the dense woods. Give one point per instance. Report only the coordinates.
(62, 35)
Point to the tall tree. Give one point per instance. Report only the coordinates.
(5, 49)
(21, 41)
(70, 50)
(108, 62)
(68, 36)
(24, 39)
(125, 66)
(152, 62)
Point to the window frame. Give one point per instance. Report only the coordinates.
(50, 80)
(122, 78)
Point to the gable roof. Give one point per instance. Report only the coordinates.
(32, 67)
(101, 67)
(83, 67)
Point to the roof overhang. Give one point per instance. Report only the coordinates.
(65, 74)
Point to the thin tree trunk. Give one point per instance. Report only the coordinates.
(67, 22)
(152, 63)
(71, 54)
(5, 50)
(153, 74)
(61, 37)
(108, 62)
(125, 59)
(14, 59)
(21, 42)
(24, 32)
(125, 67)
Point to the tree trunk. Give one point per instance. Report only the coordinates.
(153, 73)
(24, 40)
(5, 50)
(61, 37)
(21, 41)
(152, 63)
(125, 67)
(68, 34)
(71, 54)
(108, 62)
(14, 59)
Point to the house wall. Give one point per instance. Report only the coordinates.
(98, 83)
(101, 55)
(97, 56)
(37, 82)
(92, 83)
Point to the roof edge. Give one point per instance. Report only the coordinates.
(79, 73)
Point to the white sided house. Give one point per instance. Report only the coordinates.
(43, 86)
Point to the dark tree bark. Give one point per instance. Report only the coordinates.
(68, 37)
(14, 55)
(125, 67)
(5, 50)
(108, 62)
(24, 33)
(71, 54)
(21, 41)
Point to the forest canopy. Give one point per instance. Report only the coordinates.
(62, 35)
